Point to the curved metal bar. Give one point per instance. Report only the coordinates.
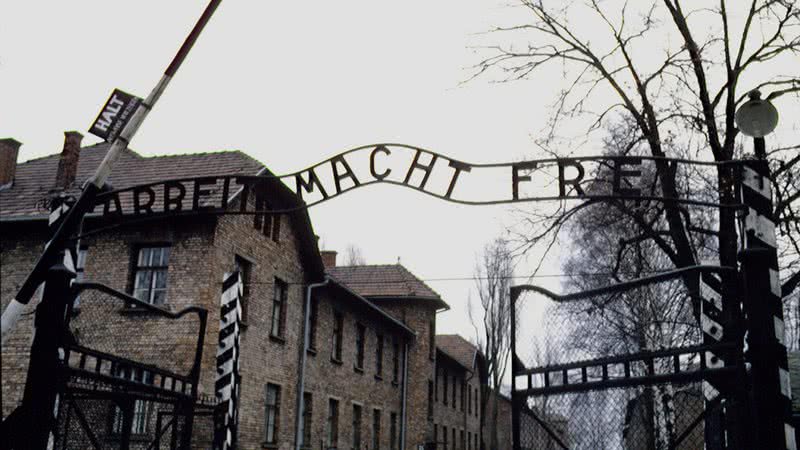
(80, 286)
(620, 287)
(202, 315)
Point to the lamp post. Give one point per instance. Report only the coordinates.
(767, 357)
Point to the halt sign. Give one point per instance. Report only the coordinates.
(115, 114)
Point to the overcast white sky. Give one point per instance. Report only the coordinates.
(291, 83)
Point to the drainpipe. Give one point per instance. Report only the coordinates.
(303, 356)
(405, 395)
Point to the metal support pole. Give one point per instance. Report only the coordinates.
(771, 399)
(516, 402)
(44, 381)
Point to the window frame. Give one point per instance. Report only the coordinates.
(313, 318)
(153, 269)
(332, 423)
(379, 344)
(432, 338)
(280, 301)
(430, 399)
(274, 408)
(307, 420)
(444, 387)
(337, 338)
(376, 428)
(361, 344)
(393, 431)
(395, 360)
(357, 424)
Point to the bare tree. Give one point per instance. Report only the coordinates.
(353, 256)
(492, 321)
(671, 76)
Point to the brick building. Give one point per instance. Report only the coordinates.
(374, 373)
(457, 393)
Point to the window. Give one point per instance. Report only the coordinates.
(454, 398)
(312, 325)
(475, 437)
(356, 427)
(276, 227)
(336, 341)
(435, 433)
(376, 429)
(469, 401)
(476, 402)
(150, 281)
(333, 423)
(430, 400)
(444, 437)
(463, 440)
(469, 441)
(437, 374)
(454, 438)
(279, 308)
(305, 421)
(141, 408)
(393, 431)
(245, 270)
(272, 413)
(379, 355)
(444, 387)
(432, 338)
(269, 224)
(361, 331)
(395, 360)
(463, 393)
(80, 265)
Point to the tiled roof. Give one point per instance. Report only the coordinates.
(35, 178)
(458, 348)
(391, 280)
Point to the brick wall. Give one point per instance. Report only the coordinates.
(19, 248)
(450, 414)
(417, 315)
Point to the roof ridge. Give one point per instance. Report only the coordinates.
(94, 146)
(365, 265)
(212, 152)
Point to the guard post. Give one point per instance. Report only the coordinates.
(766, 354)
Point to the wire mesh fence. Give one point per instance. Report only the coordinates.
(617, 371)
(663, 416)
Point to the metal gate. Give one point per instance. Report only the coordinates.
(124, 387)
(697, 373)
(667, 395)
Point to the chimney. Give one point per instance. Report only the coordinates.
(9, 150)
(328, 258)
(68, 163)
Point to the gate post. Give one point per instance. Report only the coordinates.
(771, 389)
(43, 384)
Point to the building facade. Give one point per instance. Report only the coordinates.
(374, 371)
